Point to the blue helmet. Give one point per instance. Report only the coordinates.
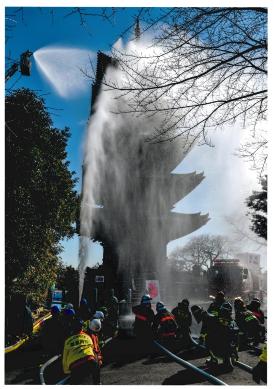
(146, 299)
(55, 310)
(83, 301)
(69, 312)
(160, 306)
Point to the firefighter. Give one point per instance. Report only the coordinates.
(250, 327)
(255, 308)
(100, 316)
(215, 306)
(213, 309)
(183, 319)
(259, 372)
(105, 332)
(112, 306)
(93, 332)
(164, 325)
(222, 335)
(84, 312)
(52, 332)
(79, 358)
(144, 317)
(67, 318)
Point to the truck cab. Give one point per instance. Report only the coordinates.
(227, 275)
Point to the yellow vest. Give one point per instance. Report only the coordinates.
(76, 347)
(263, 356)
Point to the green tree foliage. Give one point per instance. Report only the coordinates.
(41, 203)
(257, 203)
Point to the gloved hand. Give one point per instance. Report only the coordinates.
(202, 338)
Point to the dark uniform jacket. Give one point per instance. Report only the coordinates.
(164, 325)
(222, 335)
(144, 317)
(183, 318)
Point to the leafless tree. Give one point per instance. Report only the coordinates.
(242, 235)
(179, 261)
(206, 67)
(254, 150)
(201, 251)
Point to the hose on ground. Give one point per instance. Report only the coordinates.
(212, 379)
(43, 367)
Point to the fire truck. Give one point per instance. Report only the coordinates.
(229, 276)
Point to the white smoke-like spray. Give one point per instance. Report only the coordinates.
(130, 179)
(64, 68)
(128, 176)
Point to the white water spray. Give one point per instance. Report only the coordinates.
(131, 179)
(63, 68)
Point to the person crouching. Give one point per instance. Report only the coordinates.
(79, 357)
(93, 332)
(164, 325)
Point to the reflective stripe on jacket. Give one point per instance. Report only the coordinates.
(141, 317)
(97, 351)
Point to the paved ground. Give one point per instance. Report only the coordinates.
(127, 364)
(128, 368)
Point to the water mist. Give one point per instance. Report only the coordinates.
(132, 182)
(63, 68)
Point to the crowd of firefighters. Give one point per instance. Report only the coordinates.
(78, 334)
(221, 334)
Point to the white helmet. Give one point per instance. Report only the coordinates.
(95, 325)
(99, 315)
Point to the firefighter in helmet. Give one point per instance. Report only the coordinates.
(250, 327)
(255, 308)
(183, 319)
(222, 335)
(144, 316)
(213, 309)
(79, 357)
(164, 325)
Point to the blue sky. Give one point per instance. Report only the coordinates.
(37, 28)
(228, 180)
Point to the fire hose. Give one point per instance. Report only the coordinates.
(20, 342)
(43, 367)
(212, 379)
